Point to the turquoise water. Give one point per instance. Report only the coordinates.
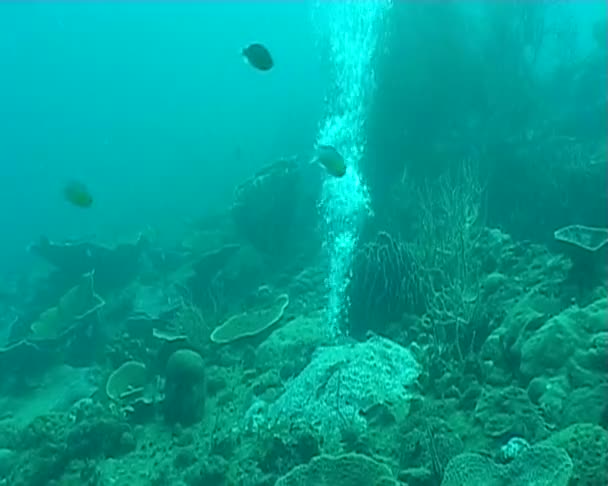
(152, 106)
(424, 301)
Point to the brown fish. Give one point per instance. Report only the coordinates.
(331, 159)
(77, 194)
(259, 57)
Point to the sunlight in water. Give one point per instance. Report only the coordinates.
(350, 32)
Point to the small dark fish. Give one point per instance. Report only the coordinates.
(259, 57)
(77, 194)
(332, 160)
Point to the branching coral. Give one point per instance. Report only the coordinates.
(448, 230)
(384, 284)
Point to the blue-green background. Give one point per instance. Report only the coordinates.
(151, 105)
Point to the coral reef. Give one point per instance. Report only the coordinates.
(342, 387)
(586, 444)
(125, 381)
(250, 322)
(385, 283)
(536, 465)
(587, 247)
(51, 444)
(275, 210)
(339, 471)
(114, 266)
(181, 396)
(73, 308)
(185, 390)
(470, 357)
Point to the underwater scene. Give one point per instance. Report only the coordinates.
(303, 243)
